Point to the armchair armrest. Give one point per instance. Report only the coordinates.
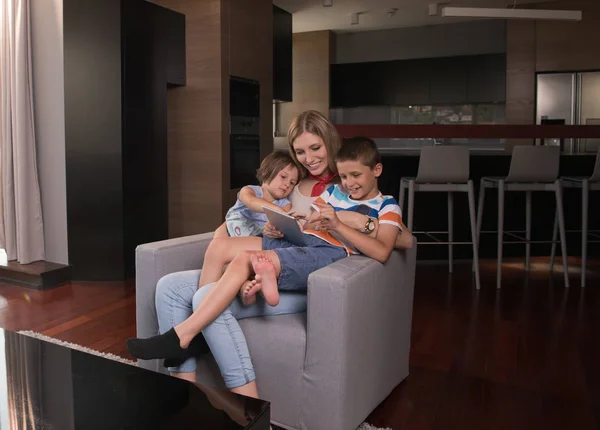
(157, 259)
(358, 336)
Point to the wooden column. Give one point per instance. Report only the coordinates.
(311, 59)
(520, 76)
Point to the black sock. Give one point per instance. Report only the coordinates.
(170, 362)
(164, 345)
(198, 346)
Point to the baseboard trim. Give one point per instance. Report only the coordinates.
(39, 275)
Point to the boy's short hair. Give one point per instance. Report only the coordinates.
(361, 149)
(272, 164)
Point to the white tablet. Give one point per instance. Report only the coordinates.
(287, 225)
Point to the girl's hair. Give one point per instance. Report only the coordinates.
(272, 164)
(315, 123)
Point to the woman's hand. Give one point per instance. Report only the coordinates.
(357, 221)
(271, 231)
(328, 219)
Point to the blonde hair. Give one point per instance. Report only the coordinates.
(315, 123)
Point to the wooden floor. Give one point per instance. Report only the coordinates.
(523, 357)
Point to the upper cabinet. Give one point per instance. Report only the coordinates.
(486, 79)
(175, 30)
(282, 55)
(447, 80)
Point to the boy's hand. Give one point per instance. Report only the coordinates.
(328, 219)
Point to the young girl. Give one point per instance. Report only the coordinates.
(278, 175)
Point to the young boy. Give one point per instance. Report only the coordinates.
(278, 175)
(359, 165)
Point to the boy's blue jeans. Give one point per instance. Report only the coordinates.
(297, 263)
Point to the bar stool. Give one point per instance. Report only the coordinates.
(586, 184)
(445, 169)
(532, 168)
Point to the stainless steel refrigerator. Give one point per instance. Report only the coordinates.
(571, 99)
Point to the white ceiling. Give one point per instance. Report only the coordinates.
(310, 15)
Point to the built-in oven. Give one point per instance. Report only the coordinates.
(244, 97)
(244, 151)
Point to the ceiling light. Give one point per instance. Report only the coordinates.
(327, 3)
(354, 19)
(479, 12)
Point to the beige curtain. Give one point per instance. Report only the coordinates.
(24, 381)
(21, 227)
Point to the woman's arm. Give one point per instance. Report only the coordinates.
(358, 221)
(248, 197)
(404, 239)
(378, 248)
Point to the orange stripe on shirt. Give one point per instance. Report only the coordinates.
(390, 216)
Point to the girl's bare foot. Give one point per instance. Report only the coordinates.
(246, 296)
(265, 276)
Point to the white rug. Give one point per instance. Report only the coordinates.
(78, 347)
(367, 426)
(363, 426)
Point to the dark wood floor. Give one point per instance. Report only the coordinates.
(523, 357)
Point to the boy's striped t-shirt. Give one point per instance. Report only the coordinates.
(383, 208)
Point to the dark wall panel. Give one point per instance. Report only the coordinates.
(120, 56)
(282, 55)
(92, 61)
(144, 51)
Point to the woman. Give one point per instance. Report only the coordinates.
(313, 143)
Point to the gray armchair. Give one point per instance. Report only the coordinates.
(324, 369)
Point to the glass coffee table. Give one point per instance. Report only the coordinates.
(47, 386)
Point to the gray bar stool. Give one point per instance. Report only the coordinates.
(586, 184)
(444, 169)
(532, 168)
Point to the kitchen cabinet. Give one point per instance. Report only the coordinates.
(448, 82)
(445, 80)
(486, 79)
(282, 55)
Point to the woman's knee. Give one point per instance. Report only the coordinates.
(172, 286)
